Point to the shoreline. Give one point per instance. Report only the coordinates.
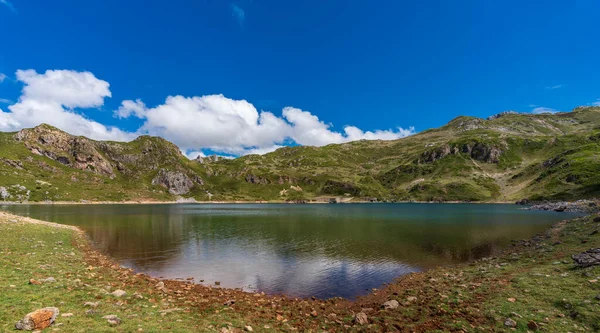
(429, 291)
(12, 203)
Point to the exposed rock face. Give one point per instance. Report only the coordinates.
(478, 151)
(588, 258)
(252, 179)
(38, 320)
(501, 114)
(177, 182)
(77, 152)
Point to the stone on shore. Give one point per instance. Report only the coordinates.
(361, 318)
(38, 320)
(390, 305)
(588, 258)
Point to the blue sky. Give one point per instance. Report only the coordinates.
(327, 71)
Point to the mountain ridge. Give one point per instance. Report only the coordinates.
(506, 157)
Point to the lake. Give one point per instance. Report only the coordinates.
(298, 250)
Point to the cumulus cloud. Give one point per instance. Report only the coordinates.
(51, 98)
(196, 124)
(542, 109)
(236, 127)
(2, 77)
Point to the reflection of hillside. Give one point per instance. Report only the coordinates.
(321, 250)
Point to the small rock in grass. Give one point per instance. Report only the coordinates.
(91, 304)
(511, 299)
(389, 305)
(248, 329)
(510, 323)
(67, 315)
(229, 302)
(532, 325)
(34, 281)
(119, 293)
(112, 320)
(38, 320)
(361, 318)
(48, 280)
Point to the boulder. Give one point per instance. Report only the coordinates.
(38, 320)
(588, 258)
(510, 323)
(119, 293)
(389, 305)
(361, 318)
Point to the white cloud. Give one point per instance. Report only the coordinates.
(5, 101)
(68, 88)
(596, 103)
(235, 127)
(51, 97)
(195, 124)
(2, 77)
(128, 108)
(542, 109)
(558, 86)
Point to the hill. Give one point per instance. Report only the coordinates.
(507, 157)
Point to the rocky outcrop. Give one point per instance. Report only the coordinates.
(479, 151)
(253, 179)
(501, 114)
(588, 258)
(38, 320)
(579, 206)
(76, 152)
(176, 182)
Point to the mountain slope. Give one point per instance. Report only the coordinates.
(504, 158)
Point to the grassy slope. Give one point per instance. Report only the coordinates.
(532, 281)
(542, 157)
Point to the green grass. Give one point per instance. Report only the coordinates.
(29, 251)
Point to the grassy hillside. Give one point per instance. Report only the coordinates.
(505, 158)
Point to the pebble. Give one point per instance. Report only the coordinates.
(248, 329)
(119, 293)
(510, 323)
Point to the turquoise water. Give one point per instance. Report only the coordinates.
(299, 250)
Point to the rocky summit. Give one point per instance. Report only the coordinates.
(508, 157)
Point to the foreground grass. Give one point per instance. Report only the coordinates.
(33, 251)
(535, 283)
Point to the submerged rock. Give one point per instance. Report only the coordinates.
(38, 320)
(588, 258)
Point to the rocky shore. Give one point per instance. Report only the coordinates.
(579, 206)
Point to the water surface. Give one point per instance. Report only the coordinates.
(300, 250)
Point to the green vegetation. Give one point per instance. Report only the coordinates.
(508, 158)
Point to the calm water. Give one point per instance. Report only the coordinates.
(300, 250)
